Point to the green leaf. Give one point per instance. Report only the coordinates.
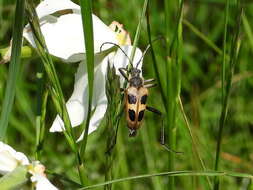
(14, 179)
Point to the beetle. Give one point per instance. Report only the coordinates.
(135, 97)
(136, 93)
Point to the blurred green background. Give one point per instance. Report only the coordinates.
(201, 96)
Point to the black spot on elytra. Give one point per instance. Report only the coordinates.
(144, 99)
(131, 99)
(131, 114)
(141, 114)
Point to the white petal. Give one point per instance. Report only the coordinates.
(10, 159)
(42, 182)
(102, 34)
(76, 113)
(48, 7)
(64, 36)
(77, 105)
(99, 96)
(96, 118)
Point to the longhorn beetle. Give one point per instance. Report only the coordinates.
(135, 97)
(136, 94)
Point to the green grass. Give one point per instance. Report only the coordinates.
(204, 91)
(86, 9)
(14, 68)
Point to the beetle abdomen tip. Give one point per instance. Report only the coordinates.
(132, 132)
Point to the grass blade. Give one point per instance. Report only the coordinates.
(14, 179)
(235, 46)
(248, 30)
(39, 128)
(194, 143)
(40, 124)
(158, 76)
(223, 76)
(138, 30)
(50, 70)
(202, 36)
(173, 68)
(174, 173)
(86, 10)
(14, 67)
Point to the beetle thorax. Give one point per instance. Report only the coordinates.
(135, 79)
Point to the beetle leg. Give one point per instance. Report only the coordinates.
(150, 85)
(148, 81)
(162, 137)
(122, 72)
(154, 110)
(162, 141)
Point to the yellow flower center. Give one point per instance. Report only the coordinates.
(121, 34)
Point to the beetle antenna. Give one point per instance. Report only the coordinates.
(147, 48)
(119, 48)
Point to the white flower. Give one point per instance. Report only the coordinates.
(64, 39)
(64, 34)
(39, 178)
(10, 159)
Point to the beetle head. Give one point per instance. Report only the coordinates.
(134, 72)
(135, 79)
